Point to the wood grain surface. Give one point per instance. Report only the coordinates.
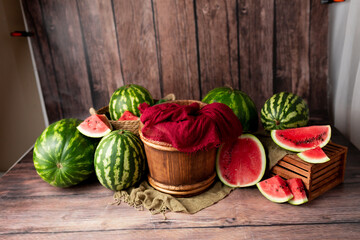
(32, 209)
(83, 51)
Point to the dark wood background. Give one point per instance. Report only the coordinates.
(86, 49)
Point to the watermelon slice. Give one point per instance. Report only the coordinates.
(275, 189)
(241, 163)
(298, 191)
(95, 126)
(127, 115)
(314, 155)
(303, 138)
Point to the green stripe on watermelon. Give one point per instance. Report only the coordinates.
(62, 155)
(128, 98)
(119, 160)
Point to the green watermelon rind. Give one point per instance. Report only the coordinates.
(98, 134)
(274, 199)
(312, 160)
(262, 150)
(62, 144)
(293, 149)
(241, 104)
(128, 98)
(119, 160)
(299, 201)
(283, 111)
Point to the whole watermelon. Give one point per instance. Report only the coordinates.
(119, 160)
(241, 104)
(128, 98)
(62, 155)
(284, 110)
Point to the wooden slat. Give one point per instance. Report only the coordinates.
(293, 168)
(43, 59)
(68, 56)
(218, 44)
(176, 46)
(321, 166)
(322, 190)
(256, 31)
(137, 44)
(331, 172)
(321, 172)
(295, 160)
(283, 172)
(292, 47)
(318, 47)
(101, 50)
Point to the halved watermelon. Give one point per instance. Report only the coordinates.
(303, 138)
(95, 126)
(127, 115)
(314, 155)
(275, 189)
(298, 191)
(241, 163)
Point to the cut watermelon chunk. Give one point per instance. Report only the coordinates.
(241, 163)
(127, 115)
(315, 155)
(275, 189)
(298, 191)
(95, 126)
(303, 138)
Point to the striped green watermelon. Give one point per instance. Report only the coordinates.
(119, 160)
(241, 104)
(284, 110)
(128, 98)
(62, 155)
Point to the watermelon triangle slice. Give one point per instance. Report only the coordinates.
(275, 189)
(95, 126)
(314, 155)
(298, 191)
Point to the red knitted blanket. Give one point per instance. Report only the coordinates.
(189, 128)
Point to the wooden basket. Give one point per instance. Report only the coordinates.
(177, 173)
(317, 178)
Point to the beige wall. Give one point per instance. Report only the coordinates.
(21, 120)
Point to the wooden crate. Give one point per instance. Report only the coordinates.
(317, 178)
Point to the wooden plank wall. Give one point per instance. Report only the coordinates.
(86, 49)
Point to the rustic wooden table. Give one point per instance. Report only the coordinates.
(30, 208)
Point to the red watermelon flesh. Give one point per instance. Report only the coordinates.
(315, 155)
(127, 115)
(241, 163)
(95, 126)
(303, 138)
(298, 191)
(275, 189)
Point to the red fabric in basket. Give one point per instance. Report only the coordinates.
(189, 128)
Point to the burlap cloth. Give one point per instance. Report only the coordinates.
(144, 196)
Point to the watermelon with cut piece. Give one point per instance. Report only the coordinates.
(241, 163)
(314, 155)
(303, 138)
(298, 191)
(95, 126)
(127, 115)
(275, 189)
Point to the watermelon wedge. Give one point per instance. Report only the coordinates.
(127, 115)
(95, 126)
(241, 163)
(275, 189)
(303, 138)
(314, 155)
(298, 191)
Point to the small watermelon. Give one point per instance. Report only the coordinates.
(314, 155)
(127, 115)
(119, 160)
(241, 104)
(303, 138)
(241, 163)
(275, 189)
(128, 98)
(95, 126)
(283, 111)
(62, 156)
(297, 190)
